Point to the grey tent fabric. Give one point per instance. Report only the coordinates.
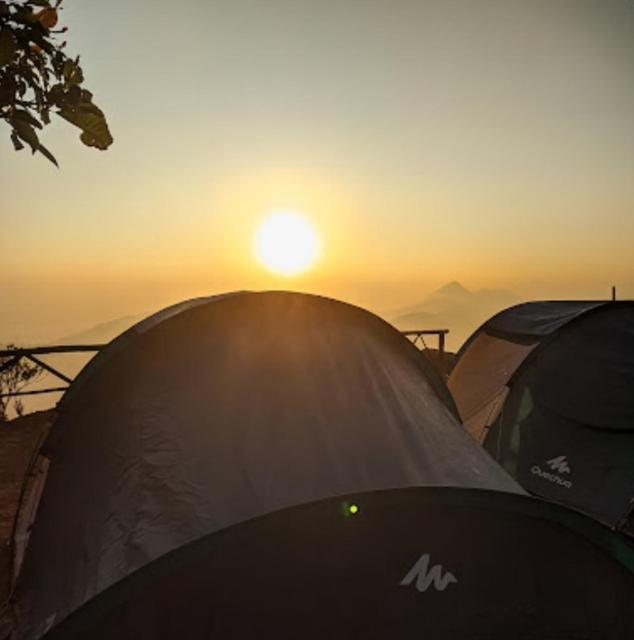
(225, 409)
(537, 319)
(438, 563)
(596, 471)
(565, 424)
(597, 355)
(130, 335)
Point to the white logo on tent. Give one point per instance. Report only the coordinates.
(559, 464)
(426, 576)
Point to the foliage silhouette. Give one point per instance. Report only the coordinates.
(13, 377)
(37, 78)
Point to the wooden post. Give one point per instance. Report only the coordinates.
(441, 345)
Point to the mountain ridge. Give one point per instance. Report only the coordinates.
(454, 307)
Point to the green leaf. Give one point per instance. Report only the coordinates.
(73, 96)
(7, 92)
(23, 130)
(25, 16)
(72, 73)
(56, 94)
(17, 145)
(26, 132)
(46, 153)
(91, 120)
(34, 34)
(8, 46)
(89, 107)
(27, 117)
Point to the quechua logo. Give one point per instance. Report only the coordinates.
(427, 576)
(559, 465)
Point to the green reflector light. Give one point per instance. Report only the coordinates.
(353, 509)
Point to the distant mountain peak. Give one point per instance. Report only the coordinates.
(456, 308)
(453, 288)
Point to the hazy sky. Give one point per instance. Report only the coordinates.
(488, 141)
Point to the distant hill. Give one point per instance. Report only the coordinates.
(453, 307)
(102, 332)
(70, 364)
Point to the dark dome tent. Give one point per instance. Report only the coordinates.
(548, 388)
(285, 465)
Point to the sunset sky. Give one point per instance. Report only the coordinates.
(485, 141)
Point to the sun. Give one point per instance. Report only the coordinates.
(287, 243)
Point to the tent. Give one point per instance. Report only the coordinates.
(287, 465)
(548, 388)
(410, 563)
(21, 482)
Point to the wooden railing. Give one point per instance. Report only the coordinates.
(417, 336)
(31, 353)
